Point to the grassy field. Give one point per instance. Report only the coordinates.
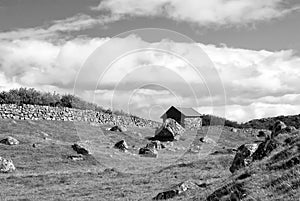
(45, 172)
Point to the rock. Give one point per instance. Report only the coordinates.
(261, 134)
(165, 195)
(9, 141)
(233, 130)
(207, 140)
(80, 149)
(290, 129)
(121, 145)
(75, 157)
(184, 186)
(278, 128)
(167, 144)
(118, 128)
(169, 131)
(265, 148)
(243, 157)
(6, 165)
(147, 152)
(176, 190)
(155, 145)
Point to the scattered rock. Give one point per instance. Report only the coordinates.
(176, 190)
(9, 141)
(80, 149)
(207, 140)
(278, 128)
(167, 144)
(75, 157)
(155, 145)
(169, 131)
(6, 165)
(166, 195)
(265, 148)
(290, 129)
(118, 128)
(147, 152)
(121, 145)
(243, 157)
(233, 130)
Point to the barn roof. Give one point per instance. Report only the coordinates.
(188, 112)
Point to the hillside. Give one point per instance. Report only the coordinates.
(266, 123)
(45, 169)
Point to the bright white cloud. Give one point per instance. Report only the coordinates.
(212, 12)
(257, 83)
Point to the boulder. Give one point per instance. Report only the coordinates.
(176, 190)
(169, 131)
(207, 140)
(290, 129)
(233, 130)
(155, 145)
(243, 157)
(6, 165)
(265, 148)
(118, 128)
(166, 195)
(147, 152)
(9, 141)
(278, 128)
(121, 145)
(81, 149)
(75, 157)
(167, 144)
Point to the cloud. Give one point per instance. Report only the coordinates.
(257, 83)
(56, 28)
(202, 13)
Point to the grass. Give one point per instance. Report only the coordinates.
(44, 172)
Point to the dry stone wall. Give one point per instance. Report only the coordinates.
(37, 112)
(193, 123)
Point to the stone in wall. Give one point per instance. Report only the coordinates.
(37, 112)
(193, 123)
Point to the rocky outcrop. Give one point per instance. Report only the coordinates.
(121, 145)
(207, 140)
(81, 148)
(147, 152)
(278, 128)
(243, 156)
(176, 190)
(6, 165)
(169, 131)
(9, 141)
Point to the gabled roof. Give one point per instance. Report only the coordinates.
(188, 112)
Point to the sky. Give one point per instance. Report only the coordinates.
(234, 58)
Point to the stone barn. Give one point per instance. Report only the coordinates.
(186, 117)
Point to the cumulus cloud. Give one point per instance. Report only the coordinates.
(203, 13)
(257, 83)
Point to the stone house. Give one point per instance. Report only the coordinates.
(186, 117)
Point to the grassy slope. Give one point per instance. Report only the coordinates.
(46, 173)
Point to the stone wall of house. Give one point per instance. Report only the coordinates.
(193, 123)
(37, 112)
